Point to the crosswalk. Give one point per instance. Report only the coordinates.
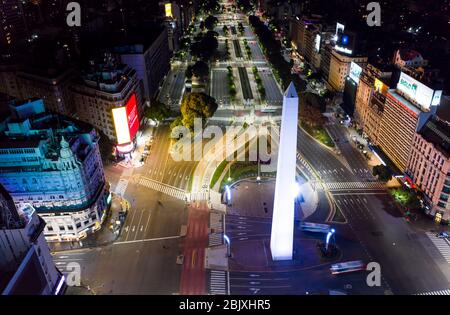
(121, 187)
(439, 292)
(441, 244)
(218, 282)
(354, 185)
(216, 226)
(165, 189)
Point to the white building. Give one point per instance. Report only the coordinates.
(53, 163)
(26, 265)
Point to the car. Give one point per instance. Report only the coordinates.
(442, 235)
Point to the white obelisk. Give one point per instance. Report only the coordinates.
(282, 236)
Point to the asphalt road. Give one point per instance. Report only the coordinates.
(273, 93)
(219, 86)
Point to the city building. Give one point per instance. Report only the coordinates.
(53, 163)
(374, 82)
(301, 31)
(13, 29)
(26, 265)
(109, 96)
(51, 85)
(325, 60)
(350, 88)
(429, 166)
(407, 109)
(172, 15)
(340, 68)
(408, 58)
(150, 60)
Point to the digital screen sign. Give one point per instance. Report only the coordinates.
(317, 42)
(418, 92)
(126, 121)
(132, 116)
(168, 9)
(355, 72)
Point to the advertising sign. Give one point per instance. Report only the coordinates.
(355, 72)
(126, 121)
(168, 9)
(418, 92)
(317, 42)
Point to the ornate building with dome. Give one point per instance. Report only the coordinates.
(53, 163)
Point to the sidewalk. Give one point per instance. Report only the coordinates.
(104, 236)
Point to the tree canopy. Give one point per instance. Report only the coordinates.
(197, 105)
(205, 45)
(210, 22)
(382, 172)
(157, 111)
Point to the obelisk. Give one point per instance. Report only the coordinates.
(282, 235)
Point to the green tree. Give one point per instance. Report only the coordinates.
(382, 173)
(205, 46)
(200, 69)
(311, 115)
(197, 105)
(189, 72)
(157, 111)
(176, 122)
(210, 22)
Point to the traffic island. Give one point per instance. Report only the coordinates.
(255, 255)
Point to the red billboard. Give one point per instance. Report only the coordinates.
(132, 116)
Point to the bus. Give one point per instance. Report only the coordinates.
(345, 267)
(315, 227)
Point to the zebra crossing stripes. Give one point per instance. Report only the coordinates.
(165, 189)
(439, 292)
(216, 226)
(354, 185)
(441, 244)
(216, 222)
(215, 239)
(121, 186)
(218, 282)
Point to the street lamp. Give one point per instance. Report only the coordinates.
(228, 242)
(228, 193)
(330, 233)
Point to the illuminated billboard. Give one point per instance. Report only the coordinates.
(380, 87)
(339, 27)
(168, 9)
(317, 42)
(126, 121)
(355, 72)
(132, 116)
(418, 92)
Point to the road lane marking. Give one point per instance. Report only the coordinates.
(148, 240)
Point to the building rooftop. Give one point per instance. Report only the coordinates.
(404, 101)
(437, 132)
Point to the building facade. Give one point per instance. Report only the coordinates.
(407, 109)
(26, 265)
(109, 97)
(340, 68)
(52, 87)
(13, 28)
(53, 163)
(370, 99)
(429, 166)
(151, 62)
